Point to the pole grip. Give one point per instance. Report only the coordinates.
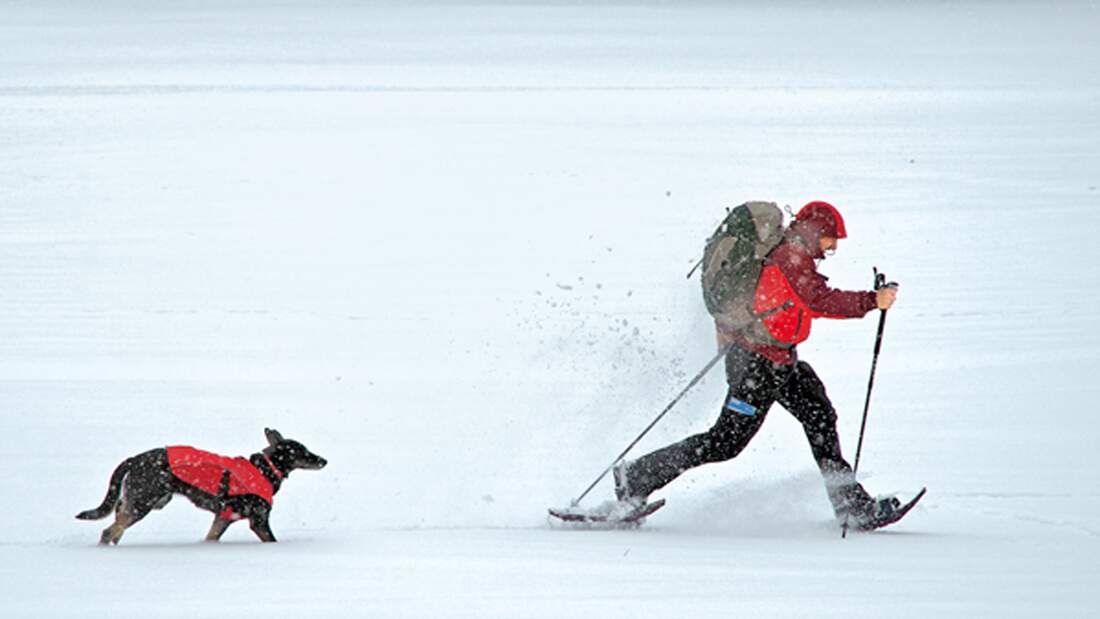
(880, 280)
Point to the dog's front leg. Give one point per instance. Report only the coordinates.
(261, 528)
(218, 529)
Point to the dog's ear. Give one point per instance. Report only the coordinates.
(273, 436)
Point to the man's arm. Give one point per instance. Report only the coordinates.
(826, 302)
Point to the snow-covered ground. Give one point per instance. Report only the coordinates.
(444, 245)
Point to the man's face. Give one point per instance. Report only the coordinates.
(828, 244)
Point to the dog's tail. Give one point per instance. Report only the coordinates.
(114, 491)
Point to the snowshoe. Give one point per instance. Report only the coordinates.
(610, 514)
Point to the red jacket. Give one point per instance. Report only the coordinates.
(204, 471)
(791, 288)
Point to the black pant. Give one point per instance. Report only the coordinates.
(755, 383)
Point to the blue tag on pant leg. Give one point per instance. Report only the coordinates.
(741, 407)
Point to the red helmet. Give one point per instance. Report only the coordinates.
(826, 215)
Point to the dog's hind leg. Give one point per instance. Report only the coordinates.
(218, 529)
(113, 533)
(128, 514)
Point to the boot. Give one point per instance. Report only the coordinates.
(867, 514)
(622, 486)
(885, 506)
(852, 504)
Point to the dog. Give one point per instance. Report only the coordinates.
(232, 488)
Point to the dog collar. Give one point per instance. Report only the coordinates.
(274, 468)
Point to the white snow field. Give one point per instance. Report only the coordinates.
(444, 245)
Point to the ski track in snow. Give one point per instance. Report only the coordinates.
(444, 245)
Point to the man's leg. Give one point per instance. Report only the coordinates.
(753, 382)
(804, 396)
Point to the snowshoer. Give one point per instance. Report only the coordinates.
(762, 367)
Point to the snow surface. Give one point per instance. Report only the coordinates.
(444, 245)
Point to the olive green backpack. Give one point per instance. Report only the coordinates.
(733, 259)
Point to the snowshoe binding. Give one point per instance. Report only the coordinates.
(886, 511)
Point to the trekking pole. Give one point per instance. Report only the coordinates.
(880, 282)
(698, 377)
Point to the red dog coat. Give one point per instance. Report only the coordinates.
(204, 471)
